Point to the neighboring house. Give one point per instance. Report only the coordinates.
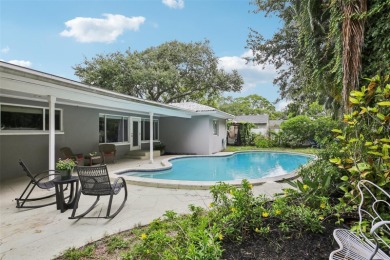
(260, 121)
(274, 125)
(40, 113)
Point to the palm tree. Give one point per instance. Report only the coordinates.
(353, 36)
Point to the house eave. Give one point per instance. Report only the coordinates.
(20, 82)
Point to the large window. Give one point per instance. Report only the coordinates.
(19, 118)
(145, 130)
(113, 129)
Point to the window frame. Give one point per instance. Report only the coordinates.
(143, 120)
(33, 131)
(215, 123)
(112, 116)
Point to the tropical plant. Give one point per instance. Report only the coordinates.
(365, 139)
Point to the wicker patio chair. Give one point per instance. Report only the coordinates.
(359, 246)
(67, 153)
(95, 181)
(107, 150)
(40, 180)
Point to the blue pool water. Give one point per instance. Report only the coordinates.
(247, 165)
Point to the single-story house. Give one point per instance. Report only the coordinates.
(40, 113)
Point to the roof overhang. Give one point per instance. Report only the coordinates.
(215, 113)
(23, 83)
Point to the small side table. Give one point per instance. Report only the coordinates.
(93, 159)
(59, 186)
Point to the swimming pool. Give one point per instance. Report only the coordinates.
(238, 166)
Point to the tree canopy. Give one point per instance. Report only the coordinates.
(324, 48)
(170, 72)
(249, 105)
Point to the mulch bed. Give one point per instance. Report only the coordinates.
(280, 246)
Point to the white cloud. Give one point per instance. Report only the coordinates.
(282, 104)
(23, 63)
(175, 4)
(85, 29)
(253, 75)
(5, 50)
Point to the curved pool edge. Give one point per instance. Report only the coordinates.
(202, 185)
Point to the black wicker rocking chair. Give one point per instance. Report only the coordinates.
(40, 180)
(95, 181)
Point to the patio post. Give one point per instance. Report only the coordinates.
(52, 136)
(151, 138)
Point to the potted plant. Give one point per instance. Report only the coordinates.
(161, 147)
(65, 167)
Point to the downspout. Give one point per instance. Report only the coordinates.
(52, 134)
(151, 138)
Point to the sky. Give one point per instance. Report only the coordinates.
(53, 35)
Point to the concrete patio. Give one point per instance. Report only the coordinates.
(45, 233)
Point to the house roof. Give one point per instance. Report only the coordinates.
(255, 119)
(26, 83)
(202, 109)
(193, 106)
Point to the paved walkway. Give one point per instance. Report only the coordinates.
(44, 233)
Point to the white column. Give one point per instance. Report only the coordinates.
(151, 137)
(52, 134)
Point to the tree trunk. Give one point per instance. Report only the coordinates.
(353, 37)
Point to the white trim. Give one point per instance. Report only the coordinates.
(119, 117)
(25, 132)
(26, 85)
(137, 119)
(34, 132)
(52, 135)
(143, 120)
(151, 135)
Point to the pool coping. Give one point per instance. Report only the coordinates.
(202, 185)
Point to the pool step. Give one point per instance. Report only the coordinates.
(141, 154)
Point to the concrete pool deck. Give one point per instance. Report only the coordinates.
(45, 233)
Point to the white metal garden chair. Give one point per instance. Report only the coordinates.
(353, 246)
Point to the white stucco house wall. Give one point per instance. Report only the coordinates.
(40, 113)
(205, 133)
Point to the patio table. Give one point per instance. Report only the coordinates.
(60, 199)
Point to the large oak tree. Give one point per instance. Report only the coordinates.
(171, 72)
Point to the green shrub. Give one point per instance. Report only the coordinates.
(178, 237)
(365, 138)
(297, 130)
(263, 142)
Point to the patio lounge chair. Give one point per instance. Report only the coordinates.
(107, 150)
(95, 181)
(359, 246)
(67, 153)
(40, 180)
